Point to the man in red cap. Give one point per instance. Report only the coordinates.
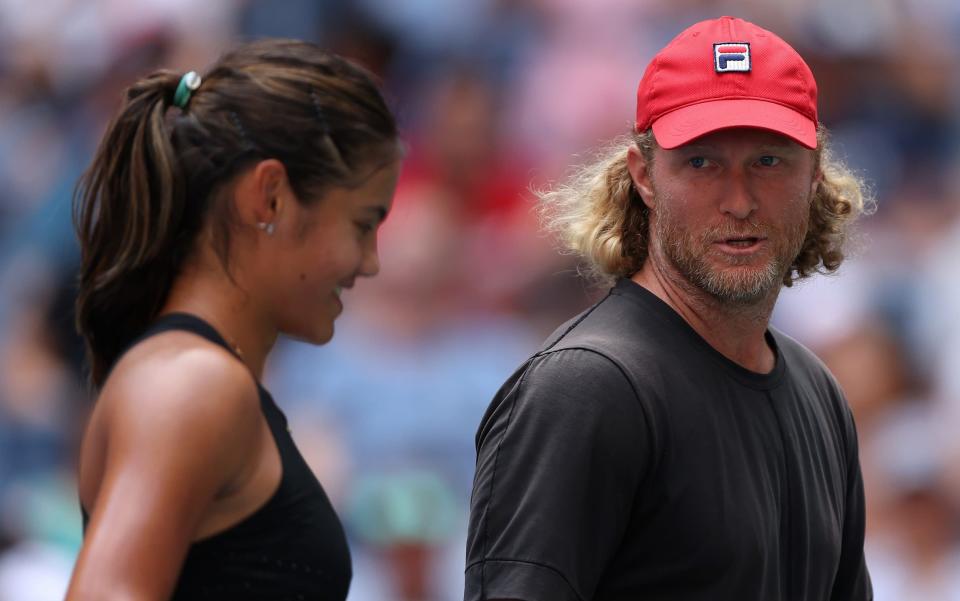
(668, 443)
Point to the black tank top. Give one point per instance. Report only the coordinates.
(291, 548)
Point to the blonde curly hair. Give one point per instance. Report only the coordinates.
(598, 214)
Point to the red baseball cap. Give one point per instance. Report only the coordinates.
(725, 73)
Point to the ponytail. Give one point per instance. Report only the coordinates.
(128, 212)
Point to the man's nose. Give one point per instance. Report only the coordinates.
(738, 200)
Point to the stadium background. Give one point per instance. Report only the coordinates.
(494, 96)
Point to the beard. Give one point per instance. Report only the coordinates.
(742, 280)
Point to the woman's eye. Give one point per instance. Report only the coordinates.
(769, 161)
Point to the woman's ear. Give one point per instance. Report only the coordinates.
(262, 193)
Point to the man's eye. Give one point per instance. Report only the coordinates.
(365, 228)
(698, 162)
(769, 161)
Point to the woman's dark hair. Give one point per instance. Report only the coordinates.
(160, 171)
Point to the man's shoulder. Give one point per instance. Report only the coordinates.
(800, 359)
(611, 327)
(809, 372)
(566, 386)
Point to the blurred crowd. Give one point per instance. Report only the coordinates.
(495, 97)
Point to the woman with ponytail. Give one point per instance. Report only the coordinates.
(220, 211)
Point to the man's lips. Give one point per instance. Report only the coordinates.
(740, 244)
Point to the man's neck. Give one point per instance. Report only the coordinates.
(735, 331)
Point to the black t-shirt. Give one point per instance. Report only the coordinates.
(628, 460)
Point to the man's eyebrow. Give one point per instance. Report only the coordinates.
(779, 146)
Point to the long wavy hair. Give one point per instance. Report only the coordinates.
(598, 214)
(162, 172)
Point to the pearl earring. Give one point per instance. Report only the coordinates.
(267, 227)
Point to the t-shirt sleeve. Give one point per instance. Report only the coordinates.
(560, 455)
(852, 582)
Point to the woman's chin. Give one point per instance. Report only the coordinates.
(317, 335)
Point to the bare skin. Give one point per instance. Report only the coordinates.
(733, 183)
(177, 448)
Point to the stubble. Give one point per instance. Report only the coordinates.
(739, 281)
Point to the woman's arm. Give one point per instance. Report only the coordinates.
(176, 432)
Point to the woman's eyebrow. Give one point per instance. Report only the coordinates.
(381, 212)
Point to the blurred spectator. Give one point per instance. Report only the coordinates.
(496, 96)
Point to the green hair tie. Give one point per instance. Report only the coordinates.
(188, 83)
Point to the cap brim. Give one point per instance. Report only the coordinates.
(685, 124)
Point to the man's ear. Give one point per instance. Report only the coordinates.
(640, 174)
(817, 181)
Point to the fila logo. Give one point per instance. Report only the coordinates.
(731, 57)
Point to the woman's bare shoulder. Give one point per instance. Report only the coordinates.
(176, 376)
(182, 397)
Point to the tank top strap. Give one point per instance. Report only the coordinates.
(190, 323)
